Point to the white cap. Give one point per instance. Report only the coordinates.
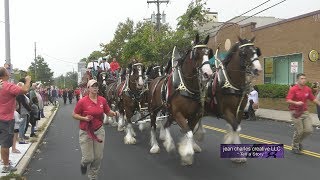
(91, 82)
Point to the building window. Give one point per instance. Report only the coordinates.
(277, 70)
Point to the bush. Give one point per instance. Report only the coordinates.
(273, 90)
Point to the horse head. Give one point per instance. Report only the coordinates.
(200, 56)
(154, 71)
(249, 56)
(136, 72)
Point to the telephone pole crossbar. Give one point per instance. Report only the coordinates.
(158, 2)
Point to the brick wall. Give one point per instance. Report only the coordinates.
(296, 35)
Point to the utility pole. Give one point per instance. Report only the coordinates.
(35, 60)
(158, 2)
(7, 36)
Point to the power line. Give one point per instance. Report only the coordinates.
(242, 14)
(58, 59)
(244, 18)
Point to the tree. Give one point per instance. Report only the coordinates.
(193, 17)
(122, 35)
(95, 55)
(70, 80)
(41, 71)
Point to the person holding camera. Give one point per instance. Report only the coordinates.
(8, 94)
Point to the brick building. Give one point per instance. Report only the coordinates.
(281, 42)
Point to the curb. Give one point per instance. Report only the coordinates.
(24, 162)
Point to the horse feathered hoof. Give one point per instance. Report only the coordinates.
(129, 140)
(162, 135)
(120, 128)
(187, 160)
(196, 148)
(169, 145)
(155, 149)
(239, 160)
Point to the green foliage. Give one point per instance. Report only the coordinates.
(12, 176)
(273, 90)
(142, 41)
(123, 34)
(95, 55)
(70, 80)
(40, 71)
(193, 17)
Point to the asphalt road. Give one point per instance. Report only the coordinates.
(59, 156)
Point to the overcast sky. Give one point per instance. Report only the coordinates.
(68, 30)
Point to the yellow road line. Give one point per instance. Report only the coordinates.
(310, 153)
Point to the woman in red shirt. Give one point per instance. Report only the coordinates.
(89, 111)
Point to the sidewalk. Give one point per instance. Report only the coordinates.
(283, 116)
(22, 160)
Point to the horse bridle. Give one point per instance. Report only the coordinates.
(198, 69)
(139, 66)
(242, 53)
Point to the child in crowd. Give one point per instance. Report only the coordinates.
(17, 121)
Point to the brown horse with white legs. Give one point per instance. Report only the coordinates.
(231, 84)
(182, 99)
(113, 93)
(132, 97)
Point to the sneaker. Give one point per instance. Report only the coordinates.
(296, 151)
(83, 169)
(8, 169)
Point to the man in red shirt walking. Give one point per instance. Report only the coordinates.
(297, 98)
(8, 94)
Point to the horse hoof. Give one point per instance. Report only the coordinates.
(187, 160)
(155, 149)
(129, 140)
(196, 148)
(239, 160)
(169, 146)
(120, 129)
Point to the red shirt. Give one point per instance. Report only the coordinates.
(300, 94)
(114, 65)
(86, 106)
(77, 92)
(8, 95)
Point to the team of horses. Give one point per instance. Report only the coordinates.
(186, 91)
